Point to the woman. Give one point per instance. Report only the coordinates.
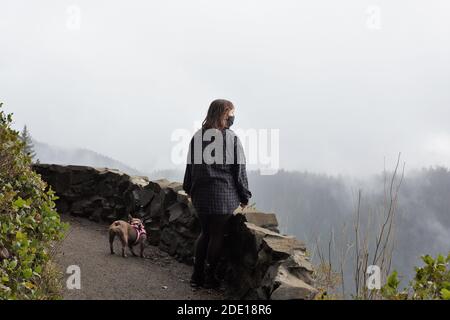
(216, 181)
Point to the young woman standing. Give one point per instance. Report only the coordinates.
(216, 181)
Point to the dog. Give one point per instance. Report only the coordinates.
(130, 233)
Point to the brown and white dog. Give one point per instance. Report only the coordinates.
(130, 233)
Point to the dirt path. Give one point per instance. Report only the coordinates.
(106, 276)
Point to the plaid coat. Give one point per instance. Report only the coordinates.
(216, 177)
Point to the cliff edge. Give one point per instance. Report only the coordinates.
(258, 263)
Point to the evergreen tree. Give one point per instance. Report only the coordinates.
(29, 146)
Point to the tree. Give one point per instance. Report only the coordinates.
(29, 223)
(28, 140)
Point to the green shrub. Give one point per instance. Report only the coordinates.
(431, 282)
(29, 223)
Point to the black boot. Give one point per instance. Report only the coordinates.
(211, 281)
(198, 276)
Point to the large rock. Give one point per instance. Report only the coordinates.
(182, 225)
(287, 286)
(257, 263)
(261, 219)
(260, 258)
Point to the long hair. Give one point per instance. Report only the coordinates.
(217, 113)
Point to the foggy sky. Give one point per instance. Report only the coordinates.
(343, 95)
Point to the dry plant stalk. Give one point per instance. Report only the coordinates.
(373, 243)
(379, 252)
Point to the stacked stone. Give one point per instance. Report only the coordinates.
(264, 264)
(95, 193)
(258, 263)
(170, 219)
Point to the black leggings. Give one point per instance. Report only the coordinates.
(209, 244)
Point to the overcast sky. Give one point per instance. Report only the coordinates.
(346, 82)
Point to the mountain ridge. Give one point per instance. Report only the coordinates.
(47, 153)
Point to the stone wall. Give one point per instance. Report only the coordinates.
(258, 262)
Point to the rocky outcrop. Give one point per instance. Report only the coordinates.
(263, 264)
(258, 261)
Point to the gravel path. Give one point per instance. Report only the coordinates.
(106, 276)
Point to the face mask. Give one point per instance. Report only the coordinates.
(230, 121)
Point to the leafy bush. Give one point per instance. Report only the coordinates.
(431, 282)
(29, 223)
